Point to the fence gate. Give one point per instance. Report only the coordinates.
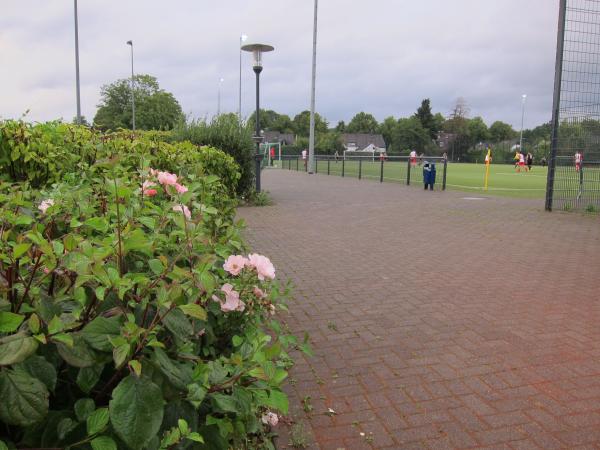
(574, 166)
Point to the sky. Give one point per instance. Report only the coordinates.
(378, 56)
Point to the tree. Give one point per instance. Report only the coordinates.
(427, 119)
(387, 128)
(340, 127)
(410, 135)
(302, 124)
(271, 121)
(329, 143)
(155, 109)
(478, 130)
(500, 131)
(363, 123)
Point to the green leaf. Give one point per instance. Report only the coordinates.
(65, 426)
(20, 249)
(136, 411)
(16, 348)
(34, 323)
(83, 408)
(103, 443)
(278, 400)
(79, 355)
(97, 223)
(137, 240)
(55, 325)
(120, 354)
(195, 311)
(98, 331)
(156, 266)
(97, 421)
(224, 403)
(178, 324)
(175, 373)
(88, 377)
(136, 366)
(9, 322)
(65, 338)
(195, 437)
(39, 368)
(24, 398)
(3, 446)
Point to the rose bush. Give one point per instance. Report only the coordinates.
(131, 318)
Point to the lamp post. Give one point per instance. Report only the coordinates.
(130, 43)
(524, 99)
(219, 97)
(77, 88)
(243, 38)
(257, 51)
(311, 138)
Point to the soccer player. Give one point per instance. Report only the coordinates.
(578, 160)
(413, 158)
(521, 162)
(304, 152)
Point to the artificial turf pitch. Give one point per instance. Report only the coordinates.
(503, 179)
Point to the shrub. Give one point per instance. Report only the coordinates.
(43, 153)
(226, 133)
(120, 324)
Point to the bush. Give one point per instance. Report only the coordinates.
(43, 153)
(120, 324)
(226, 133)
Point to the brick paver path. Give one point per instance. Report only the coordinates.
(437, 322)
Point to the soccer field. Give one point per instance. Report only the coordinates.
(503, 180)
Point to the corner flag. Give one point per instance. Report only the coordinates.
(488, 161)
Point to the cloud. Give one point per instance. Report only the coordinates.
(381, 56)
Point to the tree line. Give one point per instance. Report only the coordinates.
(466, 137)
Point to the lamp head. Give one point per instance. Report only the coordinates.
(130, 43)
(257, 51)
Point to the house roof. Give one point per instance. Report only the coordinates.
(362, 140)
(276, 136)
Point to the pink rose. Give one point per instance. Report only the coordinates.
(150, 192)
(232, 299)
(263, 266)
(234, 264)
(166, 178)
(270, 418)
(181, 188)
(259, 292)
(184, 210)
(45, 205)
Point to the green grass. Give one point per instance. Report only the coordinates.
(503, 180)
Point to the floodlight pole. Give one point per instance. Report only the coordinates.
(257, 137)
(524, 99)
(132, 89)
(77, 85)
(562, 16)
(311, 139)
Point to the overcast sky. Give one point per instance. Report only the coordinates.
(378, 56)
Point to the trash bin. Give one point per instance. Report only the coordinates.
(429, 173)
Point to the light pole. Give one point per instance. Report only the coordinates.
(524, 99)
(257, 51)
(77, 88)
(132, 89)
(219, 97)
(311, 138)
(243, 38)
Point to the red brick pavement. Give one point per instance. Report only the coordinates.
(437, 322)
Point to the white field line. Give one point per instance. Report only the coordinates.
(493, 188)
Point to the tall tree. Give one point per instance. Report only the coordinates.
(302, 124)
(387, 128)
(155, 109)
(500, 131)
(410, 135)
(478, 130)
(363, 123)
(427, 119)
(340, 127)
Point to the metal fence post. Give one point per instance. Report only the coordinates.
(359, 169)
(408, 174)
(381, 172)
(343, 167)
(328, 164)
(444, 176)
(297, 164)
(316, 164)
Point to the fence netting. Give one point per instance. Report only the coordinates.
(576, 182)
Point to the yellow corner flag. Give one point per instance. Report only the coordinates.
(488, 161)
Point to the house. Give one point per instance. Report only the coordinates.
(361, 142)
(273, 137)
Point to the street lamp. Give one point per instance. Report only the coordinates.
(524, 99)
(243, 38)
(77, 88)
(219, 97)
(132, 89)
(257, 51)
